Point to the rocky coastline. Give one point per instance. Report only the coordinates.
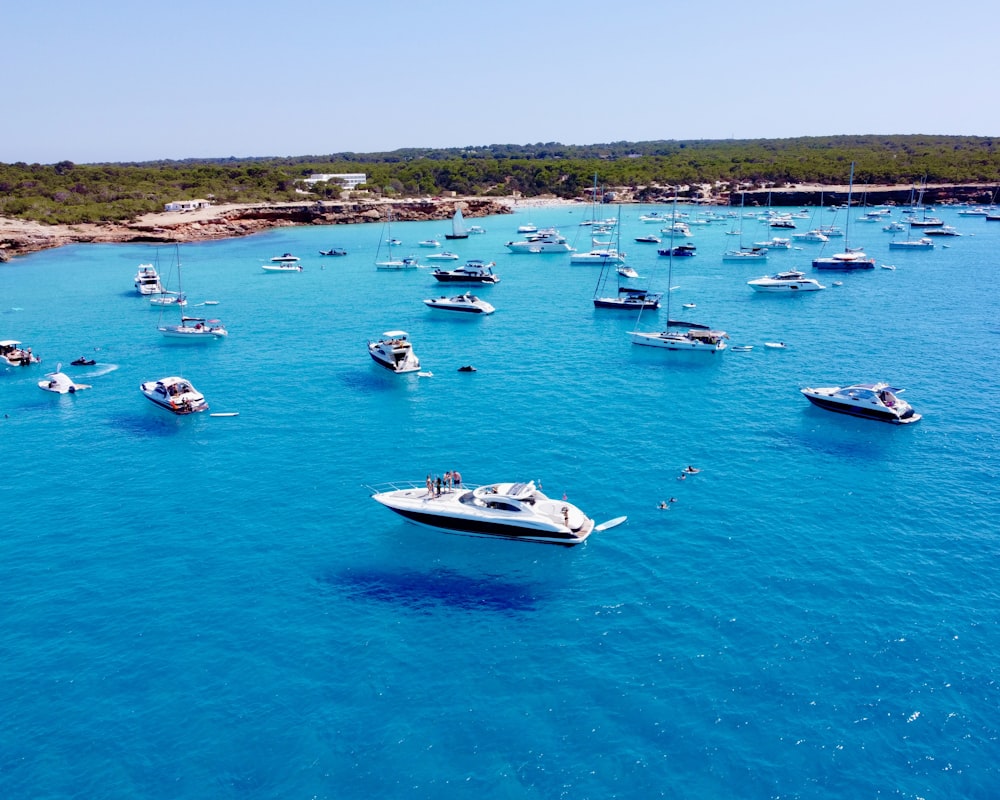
(20, 237)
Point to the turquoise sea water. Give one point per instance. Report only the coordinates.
(213, 607)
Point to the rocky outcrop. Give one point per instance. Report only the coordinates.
(220, 222)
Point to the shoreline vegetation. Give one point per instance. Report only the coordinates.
(49, 205)
(227, 220)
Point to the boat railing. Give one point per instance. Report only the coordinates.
(395, 486)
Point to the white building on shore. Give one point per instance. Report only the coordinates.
(186, 205)
(349, 180)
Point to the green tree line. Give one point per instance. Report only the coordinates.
(73, 193)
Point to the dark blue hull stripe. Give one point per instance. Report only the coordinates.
(854, 411)
(484, 527)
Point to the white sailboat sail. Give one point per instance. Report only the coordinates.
(457, 227)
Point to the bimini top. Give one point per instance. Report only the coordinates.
(395, 335)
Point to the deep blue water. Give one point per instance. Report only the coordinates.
(213, 607)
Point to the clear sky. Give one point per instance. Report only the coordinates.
(131, 81)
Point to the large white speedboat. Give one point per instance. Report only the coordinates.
(814, 235)
(175, 394)
(462, 303)
(545, 241)
(506, 510)
(195, 329)
(472, 271)
(394, 352)
(878, 401)
(147, 280)
(789, 281)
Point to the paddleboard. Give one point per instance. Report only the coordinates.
(611, 523)
(225, 414)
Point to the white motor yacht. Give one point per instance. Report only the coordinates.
(878, 401)
(472, 271)
(444, 255)
(394, 352)
(175, 394)
(12, 353)
(147, 280)
(462, 303)
(600, 256)
(506, 510)
(922, 243)
(789, 281)
(546, 241)
(195, 329)
(285, 263)
(811, 236)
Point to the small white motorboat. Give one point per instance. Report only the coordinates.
(444, 255)
(429, 243)
(627, 272)
(61, 383)
(175, 394)
(775, 345)
(196, 329)
(168, 299)
(284, 266)
(463, 303)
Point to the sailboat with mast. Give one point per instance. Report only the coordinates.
(853, 258)
(755, 253)
(192, 329)
(458, 230)
(392, 264)
(627, 296)
(689, 336)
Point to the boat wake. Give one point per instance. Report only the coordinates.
(104, 369)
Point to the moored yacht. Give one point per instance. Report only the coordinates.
(847, 261)
(546, 241)
(630, 299)
(472, 271)
(788, 281)
(174, 394)
(607, 255)
(878, 401)
(922, 243)
(394, 352)
(463, 303)
(506, 510)
(694, 340)
(12, 353)
(195, 329)
(147, 280)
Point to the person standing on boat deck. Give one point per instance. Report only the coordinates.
(447, 480)
(430, 486)
(456, 477)
(438, 482)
